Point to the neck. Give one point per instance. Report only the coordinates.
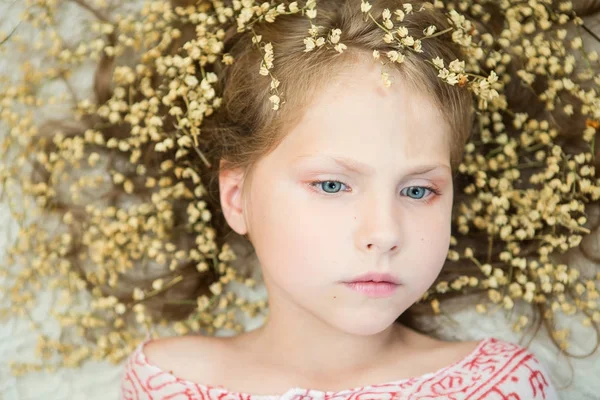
(316, 349)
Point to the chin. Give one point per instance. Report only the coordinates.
(363, 325)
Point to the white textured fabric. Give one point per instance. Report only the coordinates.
(100, 381)
(495, 369)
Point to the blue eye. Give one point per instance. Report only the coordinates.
(416, 192)
(331, 187)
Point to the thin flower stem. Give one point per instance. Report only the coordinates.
(438, 33)
(490, 247)
(153, 293)
(379, 25)
(12, 32)
(535, 147)
(530, 165)
(588, 30)
(192, 302)
(582, 49)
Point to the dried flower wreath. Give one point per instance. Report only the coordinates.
(125, 225)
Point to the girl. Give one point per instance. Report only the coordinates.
(346, 195)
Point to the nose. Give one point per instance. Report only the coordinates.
(379, 229)
(371, 246)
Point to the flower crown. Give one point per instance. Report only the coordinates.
(393, 32)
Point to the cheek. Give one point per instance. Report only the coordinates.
(286, 237)
(429, 245)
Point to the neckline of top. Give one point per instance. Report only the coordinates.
(294, 390)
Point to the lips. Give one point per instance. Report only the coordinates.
(375, 277)
(373, 289)
(374, 284)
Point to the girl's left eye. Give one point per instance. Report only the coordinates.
(414, 192)
(418, 192)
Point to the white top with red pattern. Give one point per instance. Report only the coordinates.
(495, 370)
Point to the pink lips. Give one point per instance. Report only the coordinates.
(374, 285)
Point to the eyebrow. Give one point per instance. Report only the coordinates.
(361, 168)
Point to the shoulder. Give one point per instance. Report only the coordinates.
(495, 351)
(420, 355)
(488, 367)
(457, 351)
(432, 354)
(187, 357)
(494, 368)
(171, 364)
(505, 367)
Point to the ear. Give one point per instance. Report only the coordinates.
(230, 192)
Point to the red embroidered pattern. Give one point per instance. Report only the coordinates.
(495, 370)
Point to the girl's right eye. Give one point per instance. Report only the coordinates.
(331, 187)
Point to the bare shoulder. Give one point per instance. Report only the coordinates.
(193, 358)
(459, 350)
(209, 360)
(439, 353)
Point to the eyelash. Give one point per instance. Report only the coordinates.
(431, 189)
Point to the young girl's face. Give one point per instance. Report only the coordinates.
(382, 153)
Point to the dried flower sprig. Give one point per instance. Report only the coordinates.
(527, 195)
(462, 33)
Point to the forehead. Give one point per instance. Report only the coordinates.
(355, 115)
